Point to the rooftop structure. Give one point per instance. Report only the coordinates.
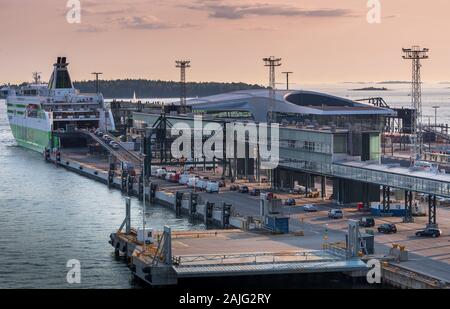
(300, 102)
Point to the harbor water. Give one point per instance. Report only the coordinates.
(49, 216)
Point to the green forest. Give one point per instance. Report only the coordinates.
(124, 88)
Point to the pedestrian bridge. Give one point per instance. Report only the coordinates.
(388, 175)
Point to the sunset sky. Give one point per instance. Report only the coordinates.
(320, 40)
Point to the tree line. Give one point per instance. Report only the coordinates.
(125, 88)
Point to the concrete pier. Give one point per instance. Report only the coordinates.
(233, 253)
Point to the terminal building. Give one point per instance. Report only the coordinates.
(321, 137)
(316, 130)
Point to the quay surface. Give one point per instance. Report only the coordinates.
(427, 257)
(225, 253)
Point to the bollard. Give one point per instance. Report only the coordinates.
(226, 214)
(141, 187)
(130, 181)
(111, 178)
(209, 213)
(193, 202)
(178, 201)
(153, 188)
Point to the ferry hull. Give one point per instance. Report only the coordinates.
(30, 138)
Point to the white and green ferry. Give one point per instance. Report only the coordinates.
(37, 111)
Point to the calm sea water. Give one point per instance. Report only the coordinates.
(396, 96)
(49, 216)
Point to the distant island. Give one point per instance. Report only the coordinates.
(125, 88)
(370, 89)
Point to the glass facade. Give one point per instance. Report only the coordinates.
(375, 147)
(316, 151)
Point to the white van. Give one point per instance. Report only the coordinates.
(212, 187)
(161, 173)
(335, 214)
(184, 179)
(154, 170)
(201, 184)
(192, 182)
(169, 174)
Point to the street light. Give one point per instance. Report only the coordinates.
(435, 116)
(96, 79)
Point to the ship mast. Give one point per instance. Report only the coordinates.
(37, 77)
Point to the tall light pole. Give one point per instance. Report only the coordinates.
(272, 63)
(143, 203)
(435, 116)
(287, 78)
(183, 65)
(96, 79)
(416, 54)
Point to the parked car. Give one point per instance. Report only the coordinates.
(174, 178)
(290, 202)
(234, 187)
(115, 146)
(309, 208)
(367, 222)
(270, 196)
(169, 175)
(429, 232)
(387, 228)
(255, 192)
(335, 214)
(161, 173)
(243, 189)
(299, 189)
(313, 193)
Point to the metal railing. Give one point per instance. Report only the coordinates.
(252, 258)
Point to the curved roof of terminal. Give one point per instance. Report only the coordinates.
(289, 102)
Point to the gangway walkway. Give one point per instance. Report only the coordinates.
(121, 153)
(442, 135)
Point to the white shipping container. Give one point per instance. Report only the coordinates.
(200, 184)
(192, 182)
(212, 187)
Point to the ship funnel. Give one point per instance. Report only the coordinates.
(60, 78)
